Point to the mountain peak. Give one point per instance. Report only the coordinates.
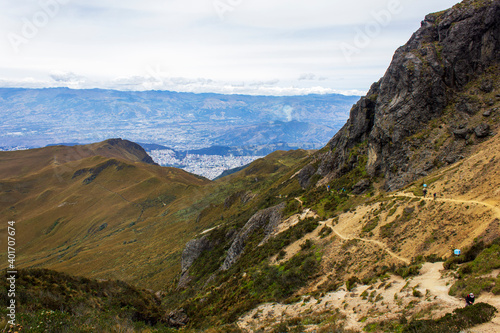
(436, 76)
(127, 149)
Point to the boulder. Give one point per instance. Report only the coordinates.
(482, 131)
(462, 133)
(177, 318)
(486, 86)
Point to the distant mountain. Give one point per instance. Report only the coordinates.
(38, 117)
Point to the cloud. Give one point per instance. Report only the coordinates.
(264, 83)
(308, 76)
(261, 47)
(179, 84)
(67, 77)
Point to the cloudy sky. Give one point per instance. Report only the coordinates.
(272, 47)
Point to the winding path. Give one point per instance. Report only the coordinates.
(495, 209)
(380, 244)
(482, 203)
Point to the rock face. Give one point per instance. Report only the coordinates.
(449, 50)
(192, 251)
(361, 186)
(267, 219)
(194, 248)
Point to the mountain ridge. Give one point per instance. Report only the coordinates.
(167, 118)
(427, 78)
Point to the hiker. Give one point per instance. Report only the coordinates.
(469, 300)
(328, 188)
(434, 196)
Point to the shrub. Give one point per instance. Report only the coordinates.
(352, 282)
(453, 323)
(306, 245)
(325, 231)
(406, 271)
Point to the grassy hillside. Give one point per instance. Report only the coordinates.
(49, 301)
(106, 214)
(85, 214)
(329, 242)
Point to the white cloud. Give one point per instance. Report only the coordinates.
(285, 47)
(307, 76)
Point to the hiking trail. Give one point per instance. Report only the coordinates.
(380, 244)
(430, 198)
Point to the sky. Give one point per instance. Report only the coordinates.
(258, 47)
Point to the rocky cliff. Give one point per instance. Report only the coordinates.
(449, 68)
(266, 219)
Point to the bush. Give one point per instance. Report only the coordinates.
(469, 255)
(406, 271)
(454, 323)
(325, 231)
(306, 245)
(351, 283)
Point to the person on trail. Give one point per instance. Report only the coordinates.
(469, 300)
(434, 196)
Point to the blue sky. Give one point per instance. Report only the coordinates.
(272, 47)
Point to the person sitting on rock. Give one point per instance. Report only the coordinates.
(469, 300)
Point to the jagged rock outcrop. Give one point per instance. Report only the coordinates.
(267, 219)
(451, 49)
(194, 248)
(361, 186)
(177, 318)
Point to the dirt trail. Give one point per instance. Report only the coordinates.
(411, 195)
(384, 301)
(118, 194)
(382, 245)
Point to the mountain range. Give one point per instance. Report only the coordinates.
(185, 121)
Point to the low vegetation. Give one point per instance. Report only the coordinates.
(455, 322)
(49, 301)
(476, 263)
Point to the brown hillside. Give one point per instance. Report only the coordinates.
(392, 229)
(79, 211)
(21, 163)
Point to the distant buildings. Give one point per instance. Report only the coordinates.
(209, 166)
